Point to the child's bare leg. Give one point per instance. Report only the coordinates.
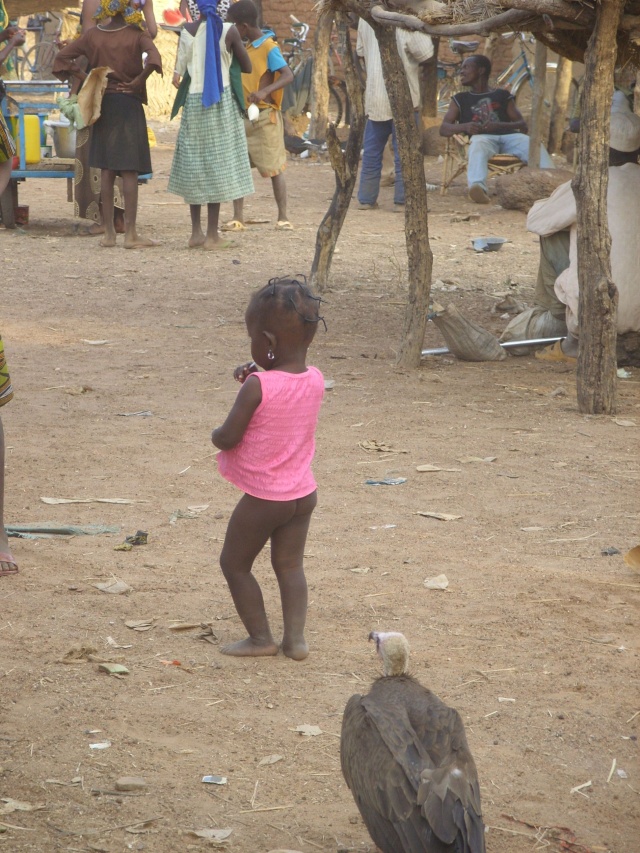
(287, 554)
(250, 526)
(132, 240)
(213, 240)
(238, 210)
(197, 235)
(107, 181)
(280, 193)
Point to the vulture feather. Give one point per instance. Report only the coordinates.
(405, 757)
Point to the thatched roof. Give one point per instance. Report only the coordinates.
(17, 8)
(564, 25)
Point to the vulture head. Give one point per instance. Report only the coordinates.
(393, 649)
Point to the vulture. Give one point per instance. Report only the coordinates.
(405, 757)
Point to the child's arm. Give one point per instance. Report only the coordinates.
(234, 44)
(233, 429)
(285, 76)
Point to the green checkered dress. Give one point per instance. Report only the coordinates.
(211, 163)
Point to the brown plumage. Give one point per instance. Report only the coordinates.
(405, 757)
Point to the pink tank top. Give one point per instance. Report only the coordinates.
(273, 460)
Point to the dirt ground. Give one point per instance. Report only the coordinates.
(535, 641)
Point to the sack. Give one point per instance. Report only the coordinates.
(90, 96)
(465, 339)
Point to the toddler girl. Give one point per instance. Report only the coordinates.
(267, 443)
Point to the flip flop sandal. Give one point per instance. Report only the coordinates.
(233, 225)
(554, 353)
(6, 557)
(284, 225)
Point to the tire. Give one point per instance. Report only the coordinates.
(336, 109)
(37, 62)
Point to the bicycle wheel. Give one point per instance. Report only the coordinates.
(335, 106)
(25, 62)
(445, 93)
(46, 53)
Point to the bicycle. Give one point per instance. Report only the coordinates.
(36, 62)
(297, 96)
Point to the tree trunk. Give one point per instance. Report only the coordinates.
(320, 81)
(345, 166)
(596, 383)
(415, 212)
(429, 83)
(560, 103)
(537, 105)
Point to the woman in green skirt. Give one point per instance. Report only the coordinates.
(211, 162)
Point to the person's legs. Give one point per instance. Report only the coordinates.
(376, 134)
(279, 185)
(482, 147)
(107, 181)
(554, 259)
(238, 210)
(516, 144)
(8, 565)
(5, 175)
(287, 554)
(251, 524)
(197, 235)
(132, 240)
(212, 240)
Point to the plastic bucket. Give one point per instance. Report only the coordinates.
(64, 138)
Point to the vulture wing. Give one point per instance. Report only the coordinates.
(450, 794)
(382, 762)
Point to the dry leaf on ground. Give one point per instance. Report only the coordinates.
(115, 587)
(270, 759)
(441, 516)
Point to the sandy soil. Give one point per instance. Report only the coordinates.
(535, 641)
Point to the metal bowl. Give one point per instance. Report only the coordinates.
(488, 244)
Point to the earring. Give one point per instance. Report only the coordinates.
(270, 354)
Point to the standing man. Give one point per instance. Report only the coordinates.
(414, 49)
(492, 120)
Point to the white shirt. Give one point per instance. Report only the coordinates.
(623, 214)
(191, 56)
(414, 49)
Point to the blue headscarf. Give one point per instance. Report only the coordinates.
(213, 86)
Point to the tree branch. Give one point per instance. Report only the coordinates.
(512, 18)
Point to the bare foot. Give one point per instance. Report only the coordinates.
(93, 230)
(213, 245)
(138, 242)
(196, 240)
(296, 651)
(108, 241)
(249, 649)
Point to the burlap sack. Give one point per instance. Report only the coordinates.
(90, 97)
(533, 323)
(466, 340)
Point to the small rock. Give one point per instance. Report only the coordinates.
(559, 392)
(130, 783)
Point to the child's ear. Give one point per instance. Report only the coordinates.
(271, 338)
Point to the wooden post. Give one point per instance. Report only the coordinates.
(345, 166)
(320, 80)
(596, 382)
(560, 103)
(537, 105)
(415, 212)
(429, 83)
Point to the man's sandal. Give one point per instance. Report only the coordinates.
(7, 559)
(555, 354)
(284, 225)
(233, 225)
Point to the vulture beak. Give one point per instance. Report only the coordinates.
(376, 638)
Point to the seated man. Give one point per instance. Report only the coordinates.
(492, 120)
(555, 220)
